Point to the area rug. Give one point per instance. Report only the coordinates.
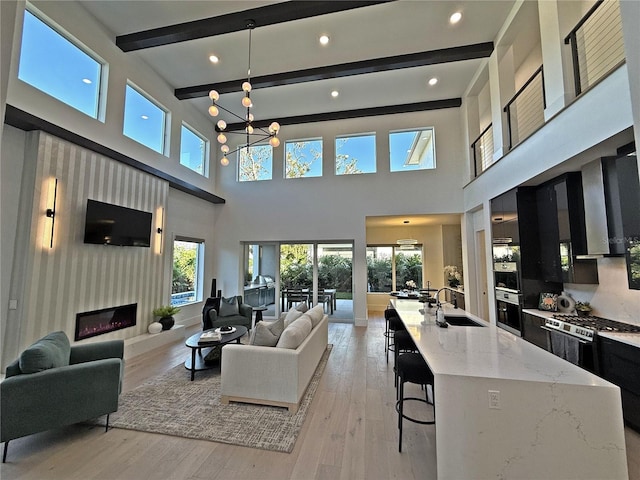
(171, 404)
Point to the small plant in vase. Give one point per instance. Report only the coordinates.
(165, 314)
(583, 309)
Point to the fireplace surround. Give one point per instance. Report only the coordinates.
(99, 322)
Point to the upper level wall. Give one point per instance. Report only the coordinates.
(122, 67)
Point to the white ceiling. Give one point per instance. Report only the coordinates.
(375, 31)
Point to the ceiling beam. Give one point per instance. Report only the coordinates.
(409, 60)
(234, 22)
(358, 113)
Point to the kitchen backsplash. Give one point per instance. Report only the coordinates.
(611, 297)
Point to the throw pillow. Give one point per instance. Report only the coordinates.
(291, 315)
(229, 306)
(294, 334)
(51, 351)
(316, 314)
(302, 307)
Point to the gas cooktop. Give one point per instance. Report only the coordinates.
(597, 323)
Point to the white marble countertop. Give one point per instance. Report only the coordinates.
(632, 339)
(487, 352)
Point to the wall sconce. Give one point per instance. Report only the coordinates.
(50, 212)
(159, 229)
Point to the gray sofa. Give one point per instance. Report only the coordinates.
(53, 384)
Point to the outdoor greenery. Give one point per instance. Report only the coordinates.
(184, 267)
(297, 164)
(296, 270)
(408, 266)
(345, 165)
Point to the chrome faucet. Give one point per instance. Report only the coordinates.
(440, 321)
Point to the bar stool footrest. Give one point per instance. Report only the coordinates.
(421, 422)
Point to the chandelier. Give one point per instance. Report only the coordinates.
(253, 135)
(406, 243)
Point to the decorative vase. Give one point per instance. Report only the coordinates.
(167, 323)
(155, 327)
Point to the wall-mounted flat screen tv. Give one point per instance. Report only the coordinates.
(108, 224)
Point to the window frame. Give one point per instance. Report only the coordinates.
(98, 102)
(199, 269)
(239, 164)
(294, 141)
(395, 250)
(411, 168)
(165, 118)
(205, 150)
(355, 135)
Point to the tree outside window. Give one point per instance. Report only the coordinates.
(187, 268)
(303, 158)
(356, 154)
(389, 266)
(255, 163)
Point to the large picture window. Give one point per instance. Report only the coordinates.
(193, 150)
(412, 150)
(188, 268)
(144, 120)
(255, 163)
(57, 66)
(389, 268)
(356, 154)
(303, 158)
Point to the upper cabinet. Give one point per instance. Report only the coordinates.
(622, 198)
(562, 231)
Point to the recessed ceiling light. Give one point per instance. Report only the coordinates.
(335, 94)
(324, 39)
(455, 18)
(213, 59)
(144, 117)
(87, 81)
(433, 81)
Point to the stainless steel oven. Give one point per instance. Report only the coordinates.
(509, 309)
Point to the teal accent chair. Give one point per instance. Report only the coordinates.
(53, 384)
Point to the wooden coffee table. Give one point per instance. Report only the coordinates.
(196, 362)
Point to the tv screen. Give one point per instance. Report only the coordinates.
(108, 224)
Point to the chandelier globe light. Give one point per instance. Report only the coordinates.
(249, 130)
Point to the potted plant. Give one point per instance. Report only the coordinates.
(583, 309)
(165, 314)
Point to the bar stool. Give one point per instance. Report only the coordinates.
(403, 343)
(392, 324)
(412, 368)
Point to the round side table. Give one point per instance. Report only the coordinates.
(258, 311)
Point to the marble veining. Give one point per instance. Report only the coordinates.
(549, 424)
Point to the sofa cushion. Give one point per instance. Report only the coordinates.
(229, 306)
(291, 316)
(302, 307)
(293, 336)
(51, 351)
(267, 334)
(316, 314)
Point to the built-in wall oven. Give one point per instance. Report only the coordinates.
(509, 309)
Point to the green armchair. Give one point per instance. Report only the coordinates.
(53, 384)
(220, 312)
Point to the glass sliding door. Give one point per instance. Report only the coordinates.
(260, 272)
(335, 279)
(296, 274)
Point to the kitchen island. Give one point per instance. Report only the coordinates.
(549, 419)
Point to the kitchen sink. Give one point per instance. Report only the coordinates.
(461, 321)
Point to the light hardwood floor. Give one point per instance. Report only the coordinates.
(349, 433)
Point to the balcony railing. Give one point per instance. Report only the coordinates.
(597, 45)
(525, 111)
(482, 149)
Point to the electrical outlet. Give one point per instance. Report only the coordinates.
(494, 399)
(13, 304)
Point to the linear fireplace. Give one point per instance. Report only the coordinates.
(97, 322)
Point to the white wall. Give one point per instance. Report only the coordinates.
(334, 208)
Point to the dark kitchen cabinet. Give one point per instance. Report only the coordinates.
(622, 199)
(619, 363)
(562, 231)
(532, 330)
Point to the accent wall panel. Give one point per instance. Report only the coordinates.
(73, 277)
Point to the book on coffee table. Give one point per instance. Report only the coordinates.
(209, 337)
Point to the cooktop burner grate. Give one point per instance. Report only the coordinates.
(598, 323)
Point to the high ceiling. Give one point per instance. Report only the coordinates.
(359, 37)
